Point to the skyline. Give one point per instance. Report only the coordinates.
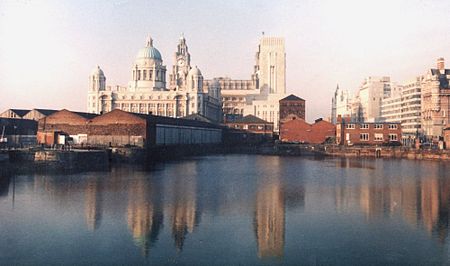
(326, 44)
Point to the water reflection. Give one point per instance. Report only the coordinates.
(421, 199)
(186, 204)
(270, 217)
(93, 204)
(182, 202)
(144, 212)
(4, 185)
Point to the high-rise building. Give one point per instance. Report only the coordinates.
(411, 106)
(436, 100)
(391, 106)
(260, 95)
(371, 92)
(403, 106)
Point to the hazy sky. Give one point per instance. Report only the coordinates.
(48, 48)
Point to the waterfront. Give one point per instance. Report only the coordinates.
(233, 209)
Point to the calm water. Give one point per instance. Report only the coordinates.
(235, 209)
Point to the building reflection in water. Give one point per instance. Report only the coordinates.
(269, 219)
(4, 185)
(421, 201)
(144, 212)
(93, 204)
(183, 206)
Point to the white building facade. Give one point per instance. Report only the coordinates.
(371, 92)
(260, 95)
(341, 104)
(147, 90)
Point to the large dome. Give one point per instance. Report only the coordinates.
(149, 51)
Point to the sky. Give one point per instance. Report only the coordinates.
(49, 48)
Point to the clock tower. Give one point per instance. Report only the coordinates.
(181, 67)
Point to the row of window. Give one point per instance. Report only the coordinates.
(142, 75)
(375, 126)
(377, 137)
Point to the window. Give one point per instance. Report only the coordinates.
(364, 136)
(364, 126)
(378, 137)
(392, 137)
(392, 126)
(378, 126)
(350, 126)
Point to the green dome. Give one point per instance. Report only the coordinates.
(149, 51)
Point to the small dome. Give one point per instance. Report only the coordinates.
(97, 71)
(195, 72)
(149, 51)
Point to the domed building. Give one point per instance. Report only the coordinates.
(147, 92)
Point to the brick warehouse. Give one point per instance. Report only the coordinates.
(119, 128)
(298, 130)
(363, 133)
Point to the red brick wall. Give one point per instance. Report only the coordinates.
(118, 123)
(65, 121)
(292, 108)
(297, 130)
(355, 134)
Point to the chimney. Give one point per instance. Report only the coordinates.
(440, 64)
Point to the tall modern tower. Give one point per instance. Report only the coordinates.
(271, 65)
(270, 72)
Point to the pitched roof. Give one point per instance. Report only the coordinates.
(20, 112)
(46, 112)
(86, 115)
(251, 119)
(292, 97)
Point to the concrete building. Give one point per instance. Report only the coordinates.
(411, 108)
(391, 107)
(371, 92)
(147, 92)
(366, 133)
(292, 106)
(435, 101)
(341, 104)
(297, 130)
(404, 106)
(260, 95)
